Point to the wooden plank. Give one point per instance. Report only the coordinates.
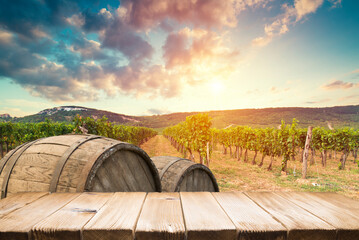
(68, 221)
(137, 171)
(98, 143)
(18, 186)
(183, 186)
(346, 222)
(117, 218)
(189, 183)
(128, 174)
(18, 224)
(19, 200)
(204, 217)
(195, 179)
(251, 221)
(201, 179)
(161, 218)
(339, 200)
(148, 173)
(37, 160)
(71, 173)
(111, 175)
(48, 149)
(66, 140)
(300, 224)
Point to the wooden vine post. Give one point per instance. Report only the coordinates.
(306, 151)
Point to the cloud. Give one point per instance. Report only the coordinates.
(350, 97)
(290, 16)
(201, 13)
(278, 90)
(5, 37)
(199, 55)
(318, 101)
(119, 36)
(304, 7)
(156, 111)
(337, 84)
(23, 16)
(74, 51)
(336, 3)
(147, 14)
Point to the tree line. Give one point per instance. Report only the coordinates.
(14, 134)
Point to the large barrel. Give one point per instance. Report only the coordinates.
(182, 175)
(77, 163)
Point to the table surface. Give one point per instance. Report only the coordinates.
(185, 215)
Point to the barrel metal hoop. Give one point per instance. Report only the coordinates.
(61, 163)
(88, 166)
(4, 160)
(168, 165)
(11, 165)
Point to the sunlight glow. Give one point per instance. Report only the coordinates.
(216, 87)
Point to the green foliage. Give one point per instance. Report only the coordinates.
(14, 134)
(192, 134)
(287, 140)
(102, 127)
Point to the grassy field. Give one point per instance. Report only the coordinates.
(233, 175)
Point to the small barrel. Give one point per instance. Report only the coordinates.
(183, 175)
(77, 163)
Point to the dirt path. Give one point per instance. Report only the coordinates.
(230, 175)
(233, 175)
(159, 146)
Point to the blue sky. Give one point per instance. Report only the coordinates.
(159, 56)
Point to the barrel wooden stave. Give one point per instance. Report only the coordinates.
(178, 174)
(35, 167)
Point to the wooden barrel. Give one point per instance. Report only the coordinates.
(182, 175)
(77, 163)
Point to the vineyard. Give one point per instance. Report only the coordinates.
(285, 142)
(236, 154)
(14, 134)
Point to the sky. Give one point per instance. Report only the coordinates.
(147, 57)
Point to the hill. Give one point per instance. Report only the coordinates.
(67, 113)
(340, 116)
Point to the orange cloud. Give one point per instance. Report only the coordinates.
(145, 14)
(337, 84)
(198, 54)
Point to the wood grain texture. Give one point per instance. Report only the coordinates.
(339, 200)
(345, 220)
(161, 218)
(69, 220)
(116, 219)
(18, 224)
(300, 223)
(69, 163)
(204, 218)
(66, 140)
(251, 221)
(64, 158)
(225, 216)
(179, 174)
(19, 200)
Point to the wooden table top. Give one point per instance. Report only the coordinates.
(185, 215)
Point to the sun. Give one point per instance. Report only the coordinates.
(216, 87)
